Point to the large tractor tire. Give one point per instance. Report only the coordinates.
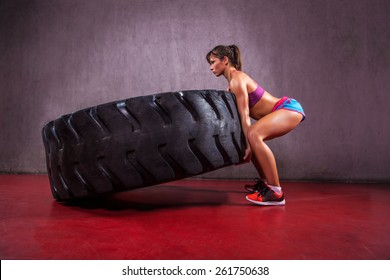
(142, 141)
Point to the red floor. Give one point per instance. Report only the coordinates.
(196, 219)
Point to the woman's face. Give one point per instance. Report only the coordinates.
(217, 66)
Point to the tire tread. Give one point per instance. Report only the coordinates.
(141, 141)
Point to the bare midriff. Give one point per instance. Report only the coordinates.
(264, 106)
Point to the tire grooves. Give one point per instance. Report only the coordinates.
(161, 111)
(237, 146)
(210, 101)
(83, 181)
(64, 184)
(105, 170)
(175, 166)
(188, 106)
(226, 158)
(206, 165)
(93, 114)
(56, 137)
(68, 120)
(224, 98)
(124, 110)
(146, 176)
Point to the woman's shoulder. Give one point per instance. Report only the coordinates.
(243, 79)
(239, 77)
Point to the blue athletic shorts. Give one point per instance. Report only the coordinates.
(290, 104)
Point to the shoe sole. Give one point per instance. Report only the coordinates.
(267, 203)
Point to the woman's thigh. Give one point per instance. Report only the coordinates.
(276, 124)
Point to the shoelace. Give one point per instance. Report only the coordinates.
(263, 191)
(258, 186)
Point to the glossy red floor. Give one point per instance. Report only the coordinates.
(195, 219)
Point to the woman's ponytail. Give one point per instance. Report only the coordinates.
(236, 57)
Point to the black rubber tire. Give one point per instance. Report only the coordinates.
(142, 141)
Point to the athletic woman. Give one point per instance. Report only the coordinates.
(274, 117)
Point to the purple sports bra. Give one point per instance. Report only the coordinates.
(255, 96)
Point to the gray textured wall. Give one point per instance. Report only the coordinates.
(333, 56)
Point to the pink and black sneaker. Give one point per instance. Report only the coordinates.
(266, 196)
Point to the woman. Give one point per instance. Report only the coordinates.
(275, 117)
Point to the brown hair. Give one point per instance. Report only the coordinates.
(232, 52)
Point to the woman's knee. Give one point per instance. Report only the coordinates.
(254, 136)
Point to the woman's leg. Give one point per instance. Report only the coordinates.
(273, 125)
(257, 165)
(260, 183)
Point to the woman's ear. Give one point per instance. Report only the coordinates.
(225, 60)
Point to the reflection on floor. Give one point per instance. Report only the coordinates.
(195, 219)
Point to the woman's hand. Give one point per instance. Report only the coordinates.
(247, 157)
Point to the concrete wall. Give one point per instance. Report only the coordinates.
(333, 56)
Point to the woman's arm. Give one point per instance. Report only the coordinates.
(238, 87)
